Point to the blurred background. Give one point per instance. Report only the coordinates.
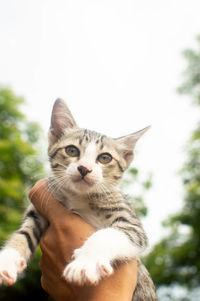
(120, 66)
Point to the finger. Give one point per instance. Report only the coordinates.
(51, 252)
(37, 188)
(44, 284)
(59, 291)
(119, 286)
(46, 267)
(48, 249)
(44, 201)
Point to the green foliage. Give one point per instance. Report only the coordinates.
(190, 85)
(136, 186)
(176, 257)
(20, 167)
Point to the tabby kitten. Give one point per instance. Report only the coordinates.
(86, 170)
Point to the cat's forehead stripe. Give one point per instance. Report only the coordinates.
(88, 136)
(84, 137)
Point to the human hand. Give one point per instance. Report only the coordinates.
(67, 232)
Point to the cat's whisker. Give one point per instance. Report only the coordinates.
(98, 162)
(43, 199)
(53, 185)
(60, 164)
(56, 184)
(36, 190)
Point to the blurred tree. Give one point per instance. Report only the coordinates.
(136, 185)
(176, 258)
(20, 167)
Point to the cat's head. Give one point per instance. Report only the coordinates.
(85, 161)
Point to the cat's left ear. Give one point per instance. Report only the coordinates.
(61, 121)
(127, 144)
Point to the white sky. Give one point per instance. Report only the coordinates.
(117, 63)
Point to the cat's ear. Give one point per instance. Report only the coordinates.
(61, 120)
(127, 144)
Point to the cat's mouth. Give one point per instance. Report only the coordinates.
(84, 181)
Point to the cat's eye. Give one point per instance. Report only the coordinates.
(104, 158)
(72, 151)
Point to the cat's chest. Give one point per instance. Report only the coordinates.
(83, 209)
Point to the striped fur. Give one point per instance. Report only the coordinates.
(95, 196)
(26, 239)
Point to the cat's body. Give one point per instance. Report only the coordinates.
(87, 168)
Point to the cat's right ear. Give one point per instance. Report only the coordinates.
(61, 120)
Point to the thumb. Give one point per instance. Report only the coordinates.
(44, 201)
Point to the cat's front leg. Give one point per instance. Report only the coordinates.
(20, 247)
(94, 259)
(11, 264)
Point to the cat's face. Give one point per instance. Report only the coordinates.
(84, 161)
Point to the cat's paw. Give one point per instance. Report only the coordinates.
(76, 253)
(11, 264)
(87, 270)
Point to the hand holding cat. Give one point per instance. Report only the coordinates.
(83, 248)
(65, 233)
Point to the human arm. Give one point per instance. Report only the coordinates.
(67, 232)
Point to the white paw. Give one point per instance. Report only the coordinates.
(11, 264)
(87, 269)
(76, 253)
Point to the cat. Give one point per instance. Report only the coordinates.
(86, 171)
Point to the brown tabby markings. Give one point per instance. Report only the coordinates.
(107, 208)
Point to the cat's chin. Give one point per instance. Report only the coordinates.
(82, 186)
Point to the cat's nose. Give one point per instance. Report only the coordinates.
(83, 170)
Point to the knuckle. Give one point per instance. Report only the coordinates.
(43, 242)
(43, 282)
(33, 193)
